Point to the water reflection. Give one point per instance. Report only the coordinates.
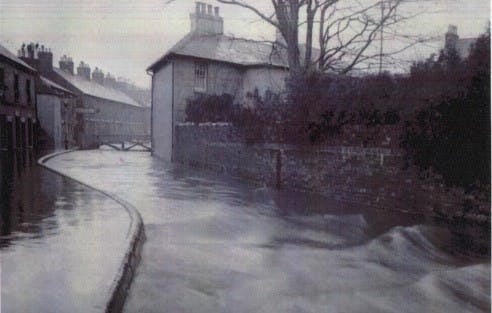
(27, 197)
(60, 243)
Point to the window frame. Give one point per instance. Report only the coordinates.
(200, 76)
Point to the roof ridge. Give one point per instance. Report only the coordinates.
(46, 79)
(225, 48)
(123, 97)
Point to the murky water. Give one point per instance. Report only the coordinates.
(56, 251)
(221, 245)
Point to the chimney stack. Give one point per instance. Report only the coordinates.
(45, 60)
(84, 70)
(66, 64)
(205, 22)
(109, 80)
(98, 76)
(37, 56)
(451, 37)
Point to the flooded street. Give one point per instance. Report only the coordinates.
(221, 245)
(56, 253)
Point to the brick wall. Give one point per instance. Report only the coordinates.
(374, 177)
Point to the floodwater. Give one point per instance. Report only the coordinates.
(221, 245)
(56, 253)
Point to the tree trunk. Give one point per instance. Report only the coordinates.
(287, 13)
(310, 12)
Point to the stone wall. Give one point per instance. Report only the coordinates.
(373, 177)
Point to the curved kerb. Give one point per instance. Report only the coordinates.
(116, 295)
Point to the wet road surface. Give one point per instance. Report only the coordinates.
(61, 243)
(221, 245)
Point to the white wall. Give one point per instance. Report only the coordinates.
(162, 112)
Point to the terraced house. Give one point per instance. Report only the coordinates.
(17, 102)
(96, 113)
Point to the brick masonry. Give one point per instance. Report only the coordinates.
(373, 177)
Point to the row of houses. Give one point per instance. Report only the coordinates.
(67, 108)
(206, 61)
(17, 102)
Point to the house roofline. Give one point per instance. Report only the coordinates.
(80, 92)
(114, 101)
(163, 60)
(18, 64)
(47, 84)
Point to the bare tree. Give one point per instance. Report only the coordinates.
(347, 30)
(285, 18)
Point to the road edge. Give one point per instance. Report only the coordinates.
(135, 238)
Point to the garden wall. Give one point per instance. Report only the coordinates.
(373, 177)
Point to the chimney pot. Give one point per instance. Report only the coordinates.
(66, 64)
(207, 21)
(84, 70)
(198, 6)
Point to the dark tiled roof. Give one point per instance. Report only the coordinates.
(9, 55)
(94, 89)
(227, 49)
(52, 85)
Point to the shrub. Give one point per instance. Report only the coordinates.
(453, 136)
(209, 108)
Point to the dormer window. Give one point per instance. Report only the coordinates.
(201, 70)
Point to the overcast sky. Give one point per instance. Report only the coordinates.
(123, 37)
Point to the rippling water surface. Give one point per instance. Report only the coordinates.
(221, 245)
